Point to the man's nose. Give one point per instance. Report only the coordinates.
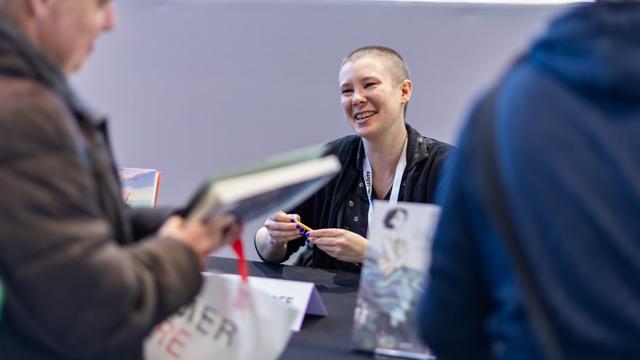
(110, 17)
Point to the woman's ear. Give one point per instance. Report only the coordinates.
(406, 87)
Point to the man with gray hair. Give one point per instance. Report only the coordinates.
(78, 283)
(538, 251)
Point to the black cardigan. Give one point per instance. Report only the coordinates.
(325, 209)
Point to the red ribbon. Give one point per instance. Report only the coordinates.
(243, 268)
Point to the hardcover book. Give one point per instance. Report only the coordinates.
(278, 183)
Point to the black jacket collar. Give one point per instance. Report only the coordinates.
(417, 149)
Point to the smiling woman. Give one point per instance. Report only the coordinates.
(386, 159)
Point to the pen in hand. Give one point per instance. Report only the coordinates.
(301, 227)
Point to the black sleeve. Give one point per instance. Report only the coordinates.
(147, 221)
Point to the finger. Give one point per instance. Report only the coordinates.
(282, 226)
(331, 250)
(172, 222)
(222, 221)
(329, 232)
(276, 214)
(281, 217)
(175, 220)
(284, 235)
(324, 241)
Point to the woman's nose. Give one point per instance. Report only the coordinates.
(357, 99)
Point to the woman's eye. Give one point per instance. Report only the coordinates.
(346, 91)
(369, 84)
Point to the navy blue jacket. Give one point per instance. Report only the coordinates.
(566, 121)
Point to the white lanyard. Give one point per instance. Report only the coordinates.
(397, 179)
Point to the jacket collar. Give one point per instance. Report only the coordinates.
(417, 149)
(20, 58)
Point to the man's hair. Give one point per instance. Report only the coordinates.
(391, 59)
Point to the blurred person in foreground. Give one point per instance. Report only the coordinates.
(536, 256)
(386, 159)
(78, 283)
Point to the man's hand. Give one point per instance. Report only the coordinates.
(203, 238)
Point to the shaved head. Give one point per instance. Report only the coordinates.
(393, 62)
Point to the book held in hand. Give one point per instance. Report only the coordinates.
(279, 183)
(139, 186)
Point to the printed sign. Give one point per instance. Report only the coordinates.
(301, 295)
(229, 320)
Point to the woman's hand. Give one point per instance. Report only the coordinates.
(282, 228)
(341, 244)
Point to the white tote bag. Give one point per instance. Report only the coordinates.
(228, 320)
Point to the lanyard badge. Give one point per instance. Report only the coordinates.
(367, 175)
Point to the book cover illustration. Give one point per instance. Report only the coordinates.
(393, 279)
(139, 186)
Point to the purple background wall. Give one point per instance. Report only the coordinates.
(196, 87)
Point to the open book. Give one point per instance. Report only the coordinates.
(279, 183)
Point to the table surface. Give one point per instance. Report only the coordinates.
(321, 337)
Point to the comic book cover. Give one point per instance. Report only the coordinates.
(393, 279)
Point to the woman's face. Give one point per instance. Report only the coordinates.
(372, 100)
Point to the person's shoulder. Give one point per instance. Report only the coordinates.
(439, 146)
(32, 116)
(345, 147)
(431, 145)
(21, 97)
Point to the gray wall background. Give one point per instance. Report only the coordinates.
(197, 87)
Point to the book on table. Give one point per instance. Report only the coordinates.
(278, 183)
(393, 278)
